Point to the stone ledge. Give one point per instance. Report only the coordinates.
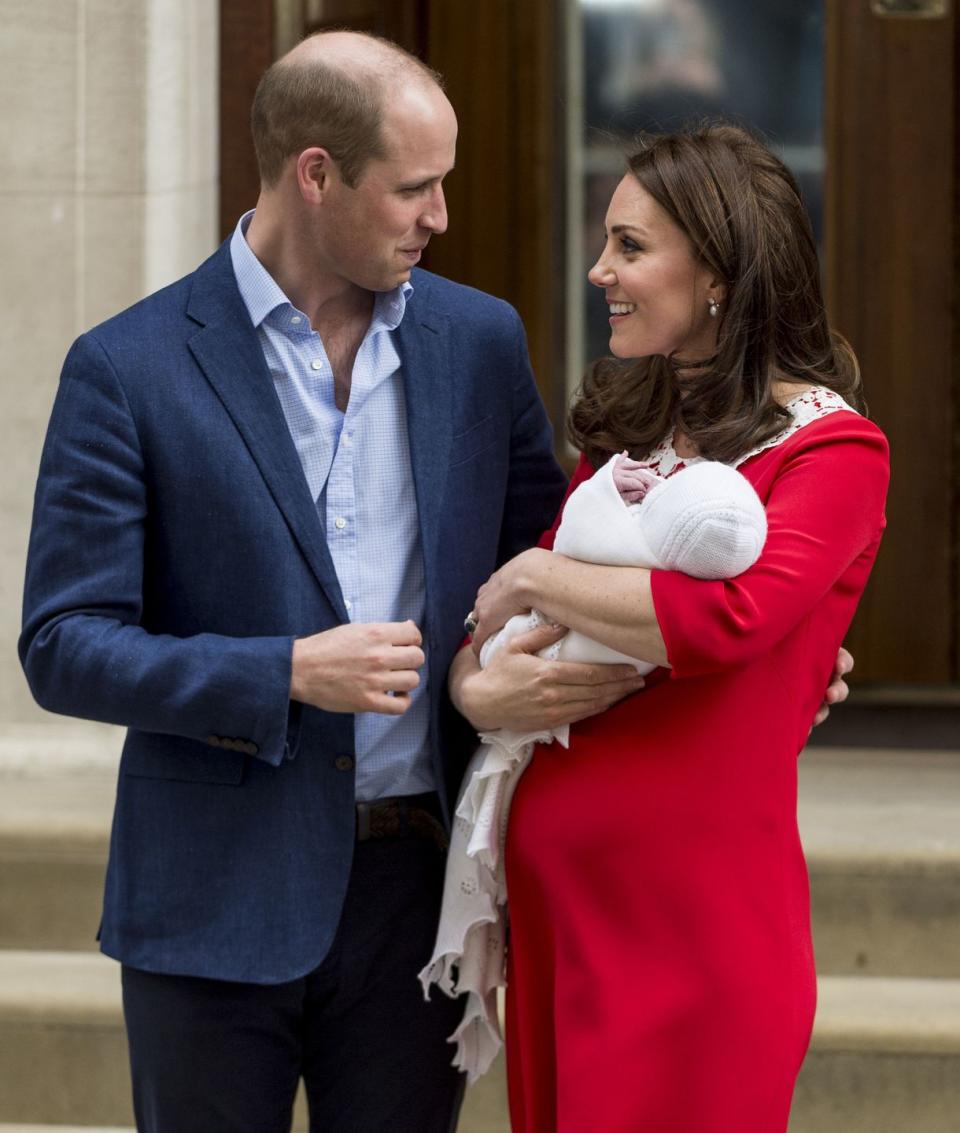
(853, 1013)
(902, 1016)
(66, 817)
(65, 1129)
(75, 989)
(871, 807)
(59, 745)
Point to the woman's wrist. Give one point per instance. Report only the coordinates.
(525, 584)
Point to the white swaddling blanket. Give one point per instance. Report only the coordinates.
(706, 521)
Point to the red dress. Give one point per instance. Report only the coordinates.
(661, 973)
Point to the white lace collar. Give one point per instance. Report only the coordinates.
(808, 406)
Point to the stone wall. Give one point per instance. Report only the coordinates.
(108, 168)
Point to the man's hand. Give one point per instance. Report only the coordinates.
(837, 691)
(358, 668)
(523, 692)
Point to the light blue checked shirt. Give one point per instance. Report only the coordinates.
(357, 465)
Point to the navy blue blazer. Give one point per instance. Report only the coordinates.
(175, 554)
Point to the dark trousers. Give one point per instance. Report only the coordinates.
(210, 1056)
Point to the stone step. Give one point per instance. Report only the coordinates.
(54, 834)
(881, 831)
(59, 747)
(63, 1054)
(57, 783)
(65, 1129)
(885, 1055)
(885, 1058)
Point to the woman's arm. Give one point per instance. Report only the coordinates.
(612, 605)
(824, 512)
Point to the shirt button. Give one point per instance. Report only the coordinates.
(316, 364)
(343, 763)
(339, 523)
(345, 441)
(296, 319)
(348, 603)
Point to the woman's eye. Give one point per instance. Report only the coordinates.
(628, 245)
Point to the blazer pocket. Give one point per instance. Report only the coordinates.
(468, 444)
(147, 755)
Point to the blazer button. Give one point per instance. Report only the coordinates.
(343, 763)
(214, 741)
(248, 747)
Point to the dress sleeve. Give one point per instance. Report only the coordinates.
(583, 471)
(824, 512)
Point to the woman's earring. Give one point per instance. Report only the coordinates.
(713, 307)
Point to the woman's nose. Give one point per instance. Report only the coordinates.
(600, 275)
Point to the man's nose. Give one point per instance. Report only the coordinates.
(434, 216)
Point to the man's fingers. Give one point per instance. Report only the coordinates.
(837, 691)
(576, 710)
(388, 705)
(404, 657)
(396, 633)
(590, 699)
(844, 662)
(594, 676)
(402, 680)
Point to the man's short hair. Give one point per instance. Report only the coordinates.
(303, 103)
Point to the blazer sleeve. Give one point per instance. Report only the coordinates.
(825, 513)
(82, 647)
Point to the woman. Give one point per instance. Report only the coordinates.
(661, 968)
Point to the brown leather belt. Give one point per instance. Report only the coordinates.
(407, 816)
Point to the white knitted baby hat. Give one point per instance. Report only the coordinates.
(705, 520)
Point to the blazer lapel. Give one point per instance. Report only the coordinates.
(424, 348)
(228, 352)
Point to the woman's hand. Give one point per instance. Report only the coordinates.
(525, 693)
(504, 594)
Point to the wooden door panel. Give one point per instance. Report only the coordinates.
(247, 48)
(891, 278)
(505, 197)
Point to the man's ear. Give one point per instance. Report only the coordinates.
(315, 171)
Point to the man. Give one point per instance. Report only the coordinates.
(268, 496)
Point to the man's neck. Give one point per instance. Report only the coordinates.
(329, 301)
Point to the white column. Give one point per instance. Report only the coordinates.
(108, 190)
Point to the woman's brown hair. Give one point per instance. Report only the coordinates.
(740, 207)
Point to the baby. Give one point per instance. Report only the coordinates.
(707, 521)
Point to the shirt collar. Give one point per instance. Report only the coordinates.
(262, 294)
